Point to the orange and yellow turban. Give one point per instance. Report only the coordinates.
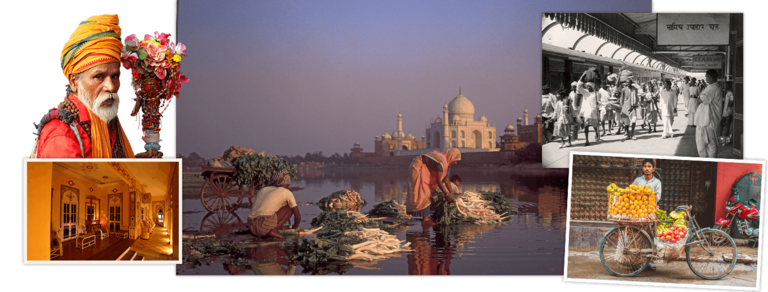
(96, 41)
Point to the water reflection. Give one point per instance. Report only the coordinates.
(220, 223)
(531, 243)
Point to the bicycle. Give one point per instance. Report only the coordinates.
(626, 250)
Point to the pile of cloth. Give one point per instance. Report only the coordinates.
(471, 207)
(389, 209)
(342, 200)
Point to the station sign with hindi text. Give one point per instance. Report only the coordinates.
(680, 29)
(707, 62)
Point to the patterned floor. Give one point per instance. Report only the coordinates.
(156, 247)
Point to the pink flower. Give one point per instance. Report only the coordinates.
(179, 49)
(128, 58)
(160, 72)
(148, 37)
(132, 41)
(155, 52)
(174, 84)
(162, 38)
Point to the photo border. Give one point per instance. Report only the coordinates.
(26, 161)
(656, 284)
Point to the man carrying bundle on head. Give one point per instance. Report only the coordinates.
(589, 111)
(273, 207)
(85, 124)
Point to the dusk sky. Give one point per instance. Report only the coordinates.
(291, 77)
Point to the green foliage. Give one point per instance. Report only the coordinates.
(196, 251)
(498, 203)
(343, 220)
(386, 209)
(444, 213)
(257, 170)
(318, 254)
(341, 196)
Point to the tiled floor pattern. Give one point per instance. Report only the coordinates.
(156, 247)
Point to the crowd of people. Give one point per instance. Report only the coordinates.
(622, 104)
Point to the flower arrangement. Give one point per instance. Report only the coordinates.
(154, 64)
(157, 56)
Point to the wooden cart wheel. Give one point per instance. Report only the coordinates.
(217, 191)
(220, 222)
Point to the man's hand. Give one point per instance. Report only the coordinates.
(450, 199)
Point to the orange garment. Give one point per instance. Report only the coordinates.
(100, 138)
(423, 181)
(94, 42)
(58, 140)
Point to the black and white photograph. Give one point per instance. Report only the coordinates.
(649, 83)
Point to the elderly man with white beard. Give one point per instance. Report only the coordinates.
(85, 124)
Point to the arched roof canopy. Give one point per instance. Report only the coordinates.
(589, 44)
(621, 53)
(607, 50)
(556, 34)
(629, 57)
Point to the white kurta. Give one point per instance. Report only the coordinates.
(708, 115)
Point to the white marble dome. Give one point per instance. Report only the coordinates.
(461, 106)
(509, 128)
(386, 136)
(410, 136)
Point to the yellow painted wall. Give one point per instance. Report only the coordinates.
(59, 179)
(39, 210)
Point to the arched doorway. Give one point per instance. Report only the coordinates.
(478, 139)
(405, 147)
(391, 153)
(436, 140)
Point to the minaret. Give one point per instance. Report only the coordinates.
(399, 133)
(525, 114)
(519, 123)
(446, 142)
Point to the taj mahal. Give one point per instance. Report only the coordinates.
(455, 128)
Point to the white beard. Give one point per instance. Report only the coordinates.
(107, 114)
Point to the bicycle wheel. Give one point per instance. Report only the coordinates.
(624, 251)
(723, 228)
(714, 256)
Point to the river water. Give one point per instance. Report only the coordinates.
(531, 243)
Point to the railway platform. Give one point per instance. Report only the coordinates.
(682, 144)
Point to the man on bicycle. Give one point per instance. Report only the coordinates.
(647, 179)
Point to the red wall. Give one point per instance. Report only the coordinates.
(727, 175)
